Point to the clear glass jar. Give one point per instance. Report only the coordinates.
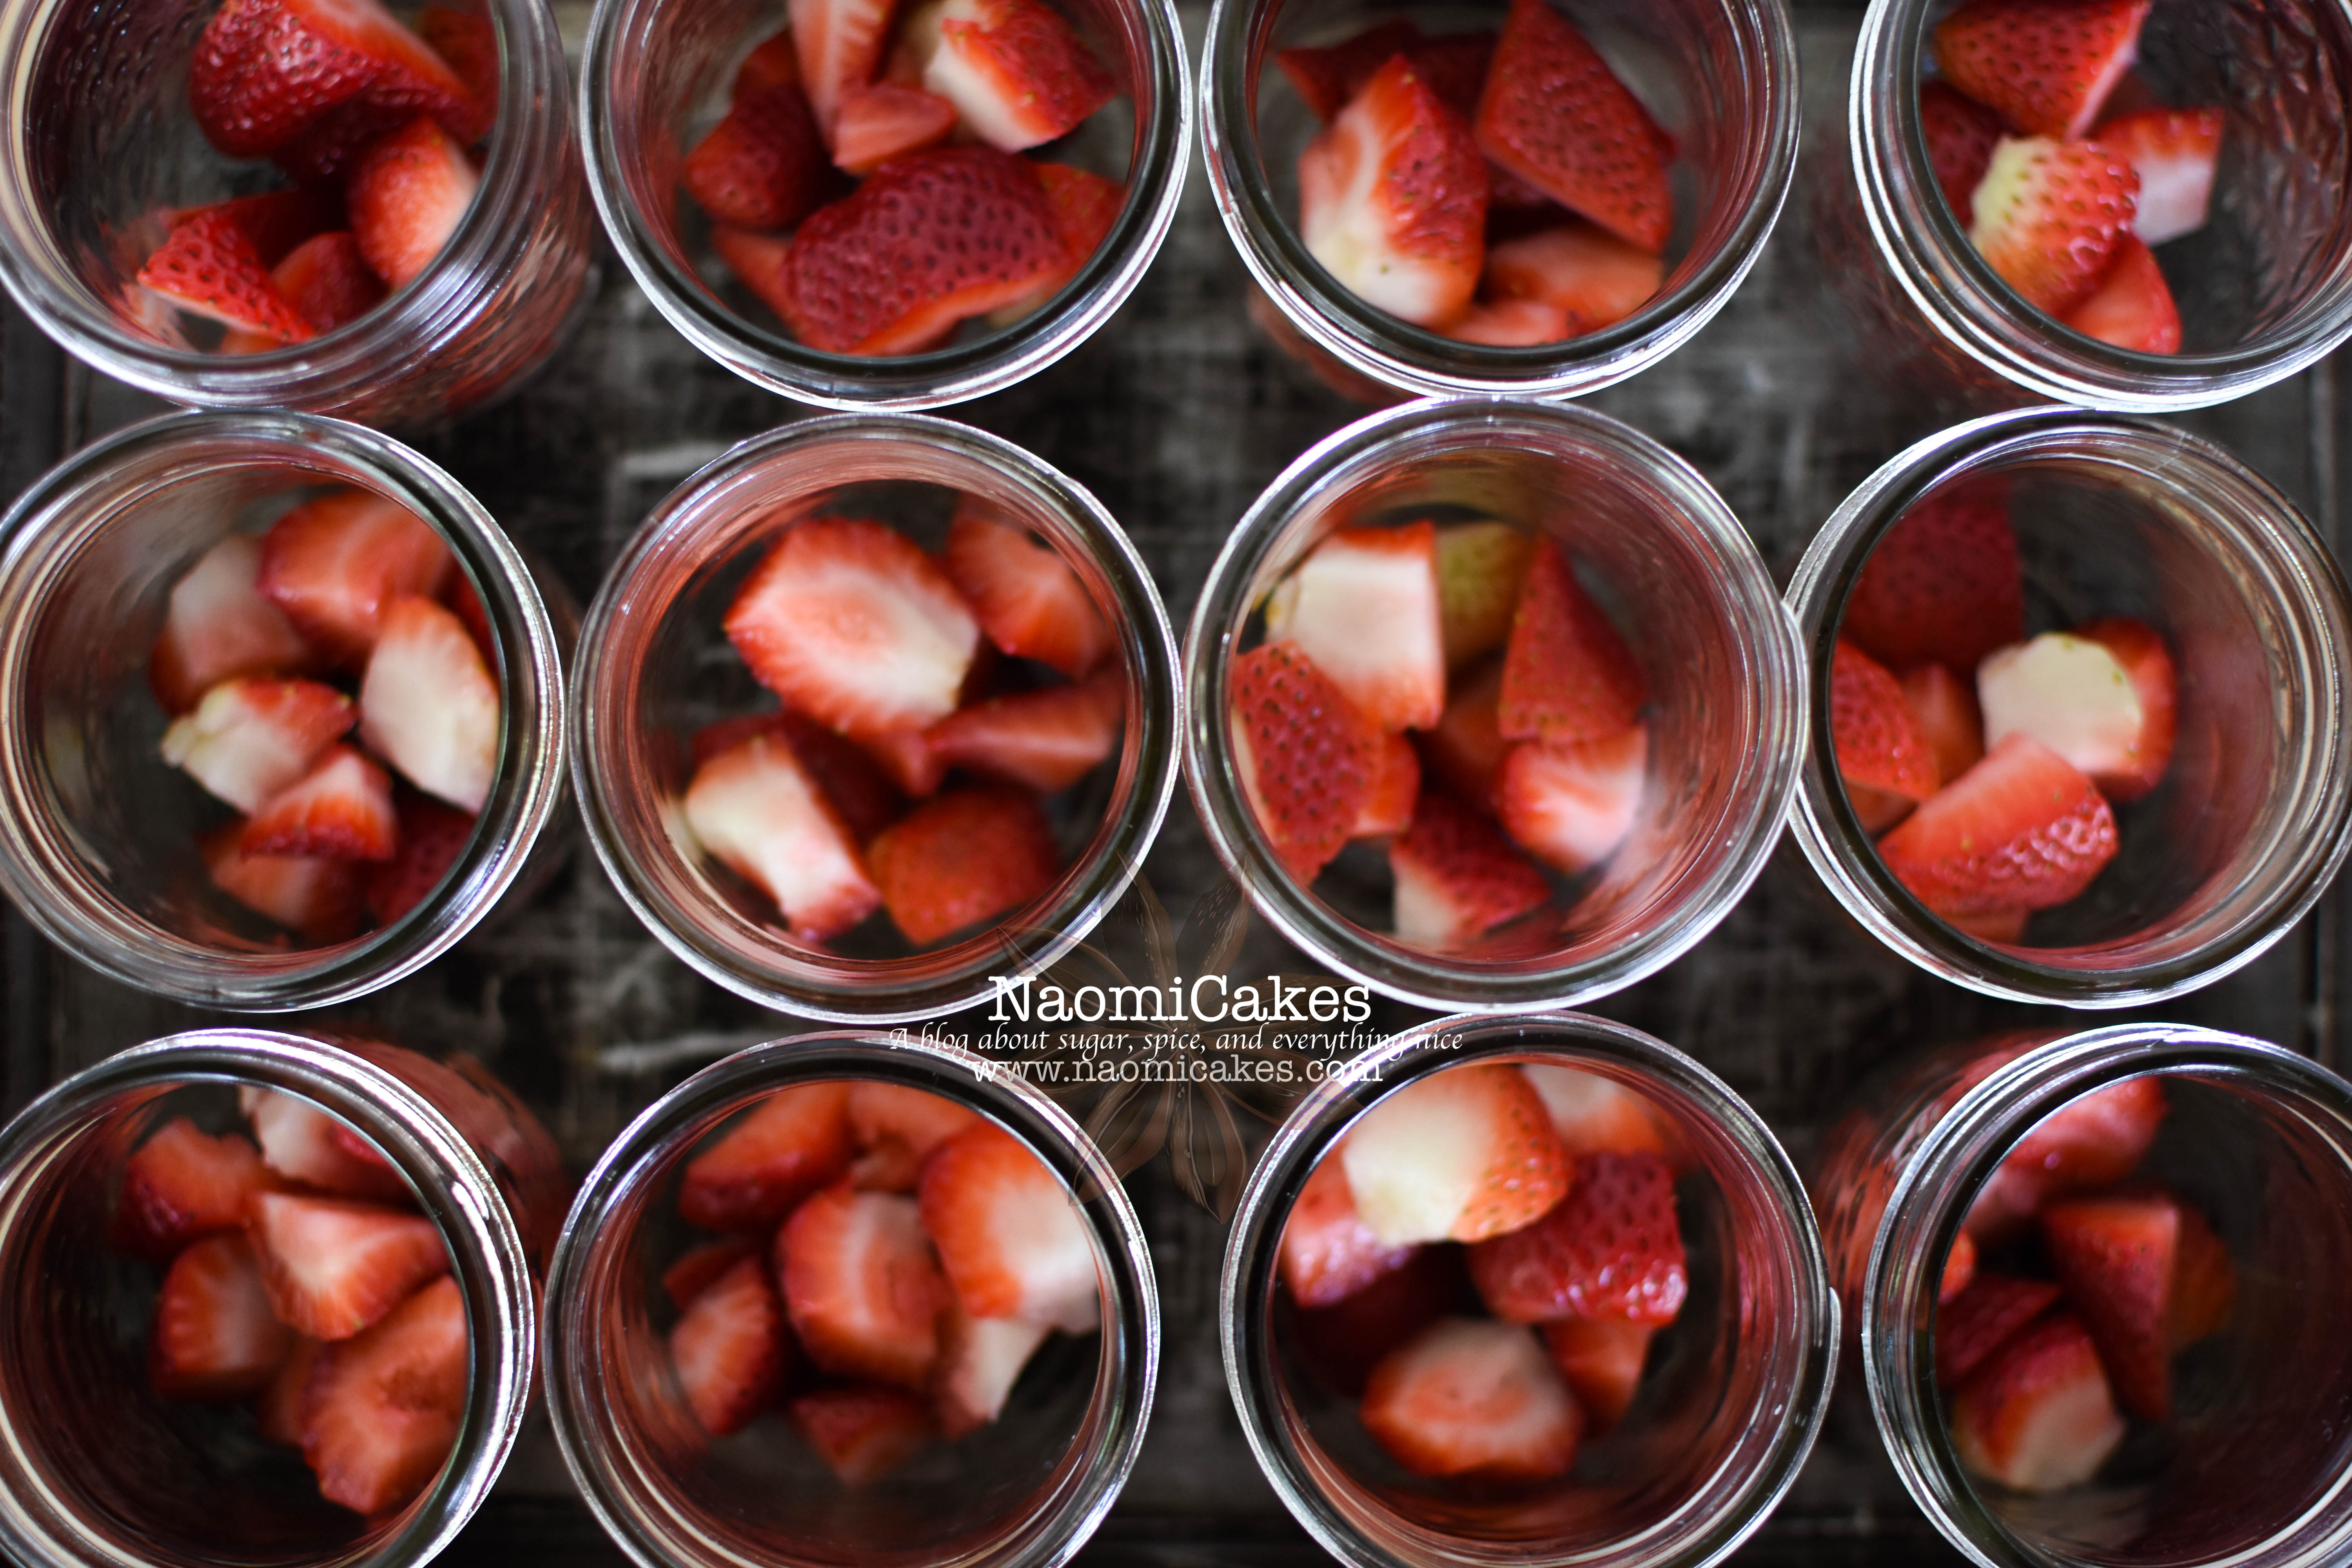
(1734, 1390)
(101, 143)
(97, 1470)
(2260, 1140)
(2120, 517)
(1023, 1492)
(98, 834)
(652, 79)
(2265, 290)
(1720, 75)
(1726, 695)
(655, 664)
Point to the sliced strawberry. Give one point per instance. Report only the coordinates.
(1612, 1249)
(862, 1287)
(913, 1119)
(1511, 324)
(964, 856)
(1943, 584)
(1959, 133)
(1340, 1344)
(1465, 751)
(2101, 697)
(327, 153)
(2023, 829)
(1017, 73)
(792, 1143)
(340, 809)
(1461, 1156)
(2038, 1415)
(858, 787)
(1329, 75)
(1457, 877)
(2051, 216)
(979, 1360)
(251, 737)
(1471, 1398)
(315, 898)
(2120, 1259)
(1948, 717)
(757, 811)
(762, 166)
(1601, 1359)
(1085, 207)
(431, 836)
(882, 121)
(729, 1348)
(2089, 1142)
(2133, 308)
(861, 1433)
(699, 1268)
(1328, 1251)
(1593, 278)
(334, 562)
(1024, 594)
(1556, 116)
(266, 71)
(1011, 1239)
(1983, 1317)
(2173, 151)
(408, 191)
(1364, 606)
(209, 267)
(182, 1183)
(382, 1410)
(1592, 1113)
(333, 1267)
(2043, 67)
(1307, 755)
(220, 626)
(428, 705)
(1959, 1269)
(213, 1336)
(1047, 739)
(278, 1411)
(1396, 789)
(1392, 199)
(1567, 675)
(1571, 804)
(1882, 754)
(468, 40)
(775, 61)
(907, 760)
(327, 280)
(304, 1143)
(840, 45)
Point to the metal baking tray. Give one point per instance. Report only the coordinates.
(1176, 415)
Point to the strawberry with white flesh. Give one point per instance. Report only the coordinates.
(764, 165)
(383, 1409)
(1456, 877)
(304, 1143)
(1590, 275)
(333, 1267)
(840, 45)
(1612, 1249)
(854, 784)
(1308, 757)
(1601, 1360)
(2024, 829)
(862, 1287)
(729, 1348)
(1010, 1237)
(1048, 740)
(1466, 752)
(852, 623)
(266, 71)
(961, 857)
(1942, 583)
(219, 627)
(342, 808)
(1024, 593)
(979, 1360)
(2133, 308)
(1472, 1397)
(1567, 675)
(861, 1433)
(209, 267)
(758, 811)
(2147, 1275)
(1017, 73)
(2050, 217)
(2044, 67)
(182, 1183)
(252, 737)
(1949, 719)
(214, 1336)
(1884, 759)
(1393, 200)
(430, 838)
(2074, 694)
(429, 706)
(1959, 133)
(2038, 1415)
(316, 898)
(1981, 1318)
(2174, 151)
(791, 1143)
(406, 194)
(1396, 791)
(1460, 1154)
(897, 1128)
(1592, 1113)
(334, 563)
(1556, 116)
(1328, 1251)
(1510, 324)
(1364, 606)
(1571, 804)
(882, 121)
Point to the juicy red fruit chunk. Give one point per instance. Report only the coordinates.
(265, 71)
(1556, 116)
(2024, 829)
(1944, 583)
(1311, 756)
(1612, 1249)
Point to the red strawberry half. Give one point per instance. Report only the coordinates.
(1612, 1249)
(1328, 75)
(1567, 675)
(251, 738)
(2045, 66)
(2038, 1415)
(265, 72)
(219, 625)
(1458, 1155)
(1016, 72)
(2050, 217)
(861, 1432)
(1363, 607)
(1982, 1317)
(1943, 584)
(430, 837)
(1591, 276)
(729, 1348)
(2024, 829)
(1468, 1396)
(428, 705)
(408, 191)
(1457, 878)
(862, 1287)
(1959, 133)
(2173, 151)
(2133, 308)
(883, 120)
(210, 266)
(757, 811)
(316, 898)
(1048, 740)
(2122, 1261)
(1305, 755)
(979, 1360)
(340, 808)
(333, 1267)
(334, 562)
(762, 166)
(1570, 805)
(1328, 1252)
(1946, 708)
(1556, 116)
(1396, 790)
(382, 1410)
(182, 1183)
(1886, 760)
(327, 280)
(961, 857)
(303, 1143)
(1085, 207)
(1466, 752)
(1011, 1241)
(1027, 597)
(2089, 1142)
(791, 1143)
(464, 36)
(1601, 1359)
(840, 45)
(214, 1337)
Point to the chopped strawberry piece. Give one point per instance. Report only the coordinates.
(857, 787)
(1467, 749)
(2104, 703)
(468, 40)
(1592, 1113)
(2038, 1415)
(209, 267)
(214, 1337)
(1085, 207)
(277, 222)
(907, 760)
(429, 707)
(913, 1119)
(1393, 200)
(2173, 151)
(220, 626)
(340, 809)
(327, 153)
(862, 1286)
(305, 1143)
(861, 1433)
(407, 193)
(327, 280)
(1571, 804)
(2204, 1283)
(1567, 675)
(1461, 1156)
(1556, 116)
(1884, 759)
(1612, 1249)
(1982, 1317)
(250, 737)
(792, 1143)
(1339, 1344)
(278, 1411)
(840, 44)
(266, 71)
(762, 166)
(2089, 1142)
(774, 62)
(1396, 789)
(882, 121)
(183, 1184)
(1457, 878)
(333, 1267)
(430, 838)
(757, 811)
(1025, 596)
(729, 1348)
(2051, 216)
(762, 261)
(1327, 77)
(1011, 1239)
(1593, 278)
(979, 1360)
(2044, 67)
(2023, 829)
(1048, 740)
(1601, 1359)
(334, 562)
(699, 1268)
(1363, 607)
(315, 898)
(2133, 308)
(1959, 133)
(1328, 1251)
(1948, 717)
(383, 1409)
(1959, 1269)
(965, 857)
(1511, 324)
(2120, 1260)
(1017, 73)
(1943, 582)
(1307, 755)
(1468, 1396)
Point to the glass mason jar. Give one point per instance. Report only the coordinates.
(1735, 1388)
(2265, 290)
(2257, 1138)
(98, 833)
(1023, 1492)
(1726, 696)
(99, 1471)
(655, 664)
(653, 79)
(2120, 517)
(1720, 75)
(101, 145)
